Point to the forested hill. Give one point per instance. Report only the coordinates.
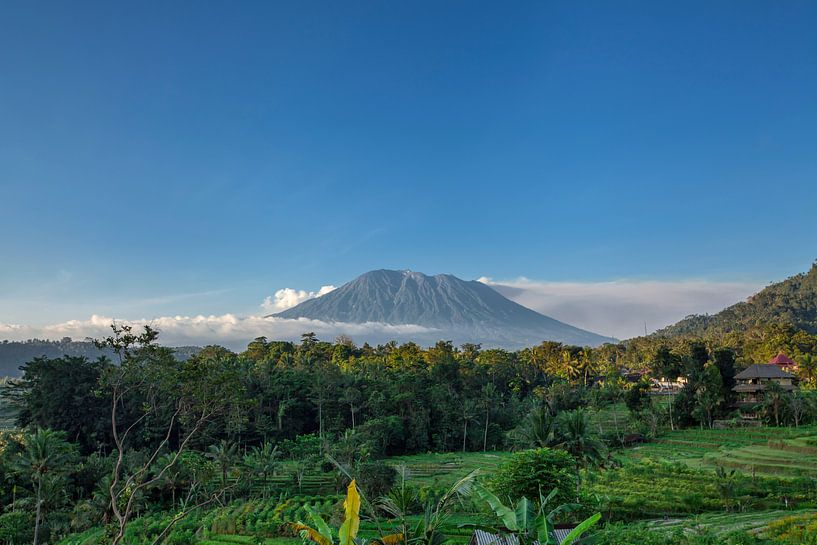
(790, 302)
(13, 354)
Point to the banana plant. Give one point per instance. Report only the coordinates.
(531, 523)
(428, 530)
(321, 534)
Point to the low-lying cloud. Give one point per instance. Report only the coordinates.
(622, 308)
(617, 308)
(227, 329)
(287, 298)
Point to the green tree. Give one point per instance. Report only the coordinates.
(261, 462)
(708, 395)
(488, 399)
(164, 400)
(528, 472)
(537, 428)
(45, 456)
(774, 399)
(223, 454)
(468, 413)
(577, 438)
(808, 368)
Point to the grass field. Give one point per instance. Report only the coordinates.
(724, 523)
(444, 469)
(779, 452)
(668, 484)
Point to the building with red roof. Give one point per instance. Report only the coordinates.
(783, 361)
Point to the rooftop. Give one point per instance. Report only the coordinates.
(763, 370)
(782, 359)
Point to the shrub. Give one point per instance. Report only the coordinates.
(16, 528)
(530, 472)
(376, 478)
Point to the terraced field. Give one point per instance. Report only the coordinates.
(445, 469)
(248, 540)
(724, 523)
(781, 452)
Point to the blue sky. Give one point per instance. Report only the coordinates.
(164, 158)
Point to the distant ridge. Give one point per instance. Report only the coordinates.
(459, 310)
(13, 354)
(792, 301)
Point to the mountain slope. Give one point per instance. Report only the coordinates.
(792, 301)
(465, 311)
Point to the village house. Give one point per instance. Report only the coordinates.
(753, 381)
(784, 362)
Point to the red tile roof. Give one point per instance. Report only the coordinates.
(782, 359)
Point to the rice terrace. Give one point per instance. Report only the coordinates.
(408, 272)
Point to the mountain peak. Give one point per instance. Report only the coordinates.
(466, 311)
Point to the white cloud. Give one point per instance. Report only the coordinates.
(228, 329)
(620, 308)
(287, 298)
(617, 308)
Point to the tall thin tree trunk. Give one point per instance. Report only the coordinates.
(615, 422)
(464, 434)
(578, 481)
(39, 510)
(485, 433)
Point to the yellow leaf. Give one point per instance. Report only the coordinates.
(392, 539)
(348, 531)
(310, 533)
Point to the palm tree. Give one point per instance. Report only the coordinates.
(536, 430)
(223, 455)
(428, 530)
(172, 477)
(353, 398)
(468, 414)
(261, 461)
(727, 484)
(487, 401)
(532, 523)
(577, 439)
(801, 405)
(773, 399)
(808, 368)
(45, 454)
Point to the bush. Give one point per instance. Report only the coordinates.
(376, 478)
(531, 472)
(16, 528)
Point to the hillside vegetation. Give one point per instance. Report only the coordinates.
(791, 302)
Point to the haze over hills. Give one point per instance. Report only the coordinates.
(792, 301)
(13, 354)
(459, 310)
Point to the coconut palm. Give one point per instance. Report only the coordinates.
(487, 402)
(808, 368)
(261, 461)
(428, 529)
(537, 429)
(774, 397)
(468, 413)
(171, 478)
(45, 454)
(577, 439)
(223, 454)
